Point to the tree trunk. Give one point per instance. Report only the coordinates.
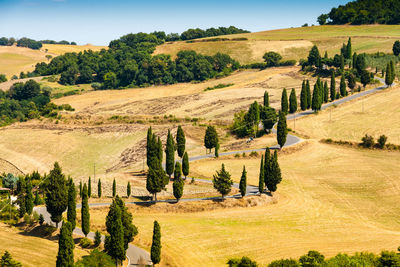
(116, 263)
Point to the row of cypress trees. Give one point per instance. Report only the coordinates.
(291, 106)
(99, 189)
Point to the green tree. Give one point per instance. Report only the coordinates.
(97, 238)
(308, 91)
(316, 98)
(128, 189)
(351, 81)
(268, 117)
(21, 198)
(89, 187)
(222, 181)
(293, 101)
(266, 99)
(185, 165)
(326, 92)
(8, 261)
(349, 50)
(243, 182)
(267, 168)
(343, 91)
(129, 229)
(178, 182)
(156, 180)
(314, 57)
(85, 216)
(333, 87)
(29, 197)
(284, 102)
(65, 256)
(275, 173)
(96, 258)
(114, 188)
(155, 251)
(261, 176)
(365, 78)
(180, 141)
(322, 19)
(210, 138)
(80, 189)
(169, 155)
(217, 150)
(272, 59)
(396, 48)
(388, 77)
(110, 80)
(282, 130)
(243, 262)
(99, 188)
(114, 244)
(71, 209)
(393, 70)
(57, 194)
(303, 97)
(252, 117)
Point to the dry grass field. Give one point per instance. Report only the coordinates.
(332, 199)
(30, 250)
(294, 43)
(58, 49)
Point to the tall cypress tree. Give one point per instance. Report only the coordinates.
(333, 87)
(155, 251)
(149, 143)
(308, 91)
(343, 90)
(282, 130)
(156, 180)
(293, 101)
(303, 97)
(99, 188)
(243, 182)
(169, 155)
(261, 176)
(316, 104)
(129, 229)
(29, 197)
(128, 189)
(65, 256)
(388, 75)
(89, 187)
(57, 194)
(160, 149)
(354, 60)
(114, 188)
(267, 168)
(284, 102)
(80, 189)
(276, 176)
(85, 216)
(326, 92)
(393, 70)
(178, 184)
(71, 210)
(349, 49)
(115, 246)
(180, 141)
(266, 99)
(185, 165)
(21, 199)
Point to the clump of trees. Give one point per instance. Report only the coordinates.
(199, 33)
(30, 43)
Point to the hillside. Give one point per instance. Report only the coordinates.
(294, 43)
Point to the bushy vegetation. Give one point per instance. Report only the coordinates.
(218, 86)
(191, 34)
(30, 43)
(363, 12)
(63, 42)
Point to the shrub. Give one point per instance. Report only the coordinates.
(28, 219)
(97, 239)
(96, 258)
(284, 263)
(367, 141)
(382, 141)
(243, 262)
(41, 219)
(48, 230)
(96, 86)
(288, 63)
(237, 155)
(85, 242)
(244, 155)
(253, 154)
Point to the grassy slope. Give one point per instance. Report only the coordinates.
(294, 43)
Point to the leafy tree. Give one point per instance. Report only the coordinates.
(180, 141)
(210, 138)
(57, 194)
(266, 99)
(178, 182)
(312, 258)
(110, 80)
(360, 64)
(185, 165)
(389, 258)
(282, 130)
(243, 262)
(156, 180)
(217, 150)
(71, 208)
(85, 216)
(243, 182)
(365, 78)
(170, 155)
(3, 78)
(94, 259)
(8, 261)
(29, 197)
(343, 91)
(129, 229)
(351, 81)
(89, 187)
(367, 141)
(314, 57)
(382, 141)
(261, 176)
(308, 91)
(284, 102)
(99, 188)
(293, 101)
(10, 181)
(396, 48)
(322, 19)
(114, 244)
(21, 91)
(272, 59)
(285, 263)
(114, 188)
(65, 256)
(252, 117)
(155, 251)
(303, 97)
(222, 181)
(389, 78)
(128, 190)
(69, 76)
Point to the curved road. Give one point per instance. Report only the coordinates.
(134, 253)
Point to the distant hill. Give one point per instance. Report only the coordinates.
(364, 12)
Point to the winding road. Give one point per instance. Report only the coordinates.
(134, 253)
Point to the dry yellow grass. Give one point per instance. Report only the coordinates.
(58, 49)
(30, 250)
(332, 199)
(349, 122)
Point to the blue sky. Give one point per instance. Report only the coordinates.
(99, 21)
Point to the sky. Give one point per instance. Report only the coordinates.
(100, 21)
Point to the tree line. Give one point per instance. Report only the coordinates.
(363, 12)
(30, 43)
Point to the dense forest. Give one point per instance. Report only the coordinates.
(363, 12)
(191, 34)
(129, 62)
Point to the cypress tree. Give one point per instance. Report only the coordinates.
(261, 176)
(185, 165)
(326, 92)
(320, 91)
(115, 245)
(222, 181)
(267, 167)
(7, 260)
(149, 143)
(155, 252)
(21, 198)
(85, 216)
(80, 189)
(293, 101)
(57, 194)
(388, 75)
(156, 180)
(343, 90)
(99, 188)
(160, 149)
(114, 188)
(71, 210)
(129, 229)
(65, 256)
(89, 187)
(333, 87)
(341, 64)
(276, 176)
(217, 150)
(284, 102)
(180, 141)
(349, 49)
(282, 130)
(303, 97)
(308, 91)
(266, 99)
(211, 136)
(128, 189)
(393, 71)
(354, 60)
(37, 200)
(169, 155)
(178, 184)
(316, 98)
(243, 182)
(29, 197)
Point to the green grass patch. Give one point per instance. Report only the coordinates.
(219, 86)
